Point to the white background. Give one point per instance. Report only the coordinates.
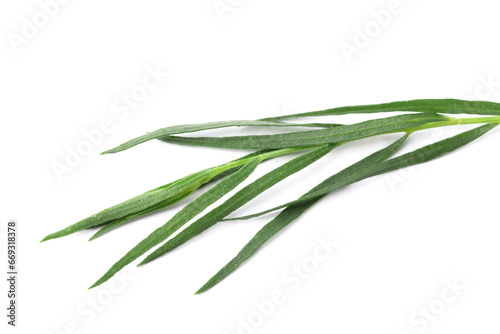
(401, 236)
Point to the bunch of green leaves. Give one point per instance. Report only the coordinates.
(308, 146)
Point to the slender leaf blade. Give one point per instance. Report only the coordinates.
(316, 137)
(270, 229)
(431, 151)
(139, 203)
(443, 106)
(187, 128)
(120, 221)
(155, 197)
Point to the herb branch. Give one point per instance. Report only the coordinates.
(309, 146)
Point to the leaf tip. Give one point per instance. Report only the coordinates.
(148, 258)
(97, 283)
(47, 238)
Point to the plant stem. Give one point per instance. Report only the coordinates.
(456, 121)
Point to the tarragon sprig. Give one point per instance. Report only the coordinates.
(309, 145)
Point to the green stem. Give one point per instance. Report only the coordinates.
(456, 121)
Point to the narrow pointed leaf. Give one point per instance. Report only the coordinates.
(269, 230)
(117, 222)
(240, 198)
(139, 203)
(162, 194)
(178, 129)
(316, 137)
(443, 106)
(430, 152)
(292, 212)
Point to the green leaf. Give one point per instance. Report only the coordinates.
(316, 137)
(430, 152)
(117, 222)
(277, 224)
(182, 217)
(240, 198)
(178, 129)
(139, 203)
(447, 106)
(155, 197)
(292, 212)
(443, 106)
